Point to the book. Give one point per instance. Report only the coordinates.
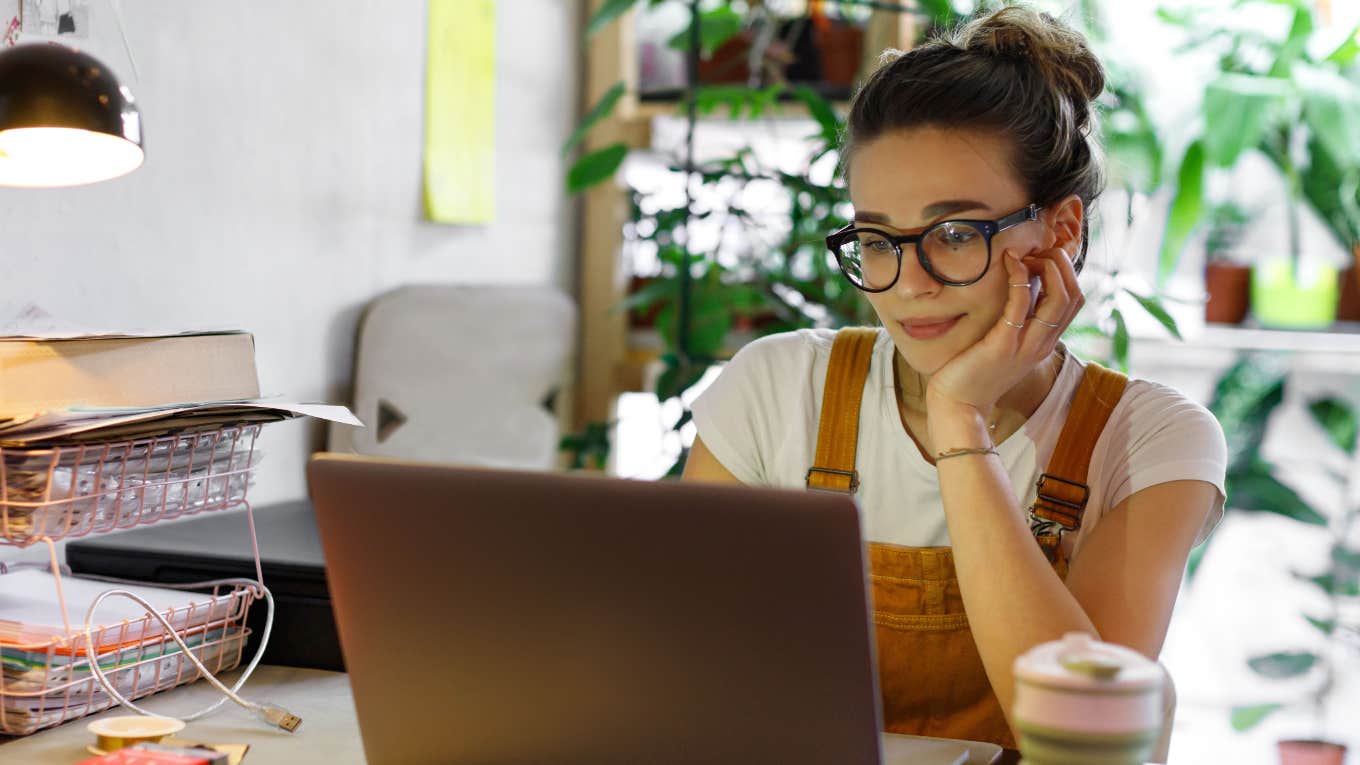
(48, 374)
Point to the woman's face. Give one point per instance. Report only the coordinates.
(905, 181)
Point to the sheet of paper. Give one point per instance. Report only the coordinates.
(121, 423)
(33, 323)
(30, 612)
(460, 112)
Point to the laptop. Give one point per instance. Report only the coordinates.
(491, 616)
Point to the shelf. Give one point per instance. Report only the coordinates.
(670, 103)
(1336, 351)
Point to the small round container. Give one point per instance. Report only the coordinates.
(113, 733)
(1078, 700)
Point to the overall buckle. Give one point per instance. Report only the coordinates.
(853, 475)
(1062, 510)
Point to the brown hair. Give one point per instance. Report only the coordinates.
(1023, 74)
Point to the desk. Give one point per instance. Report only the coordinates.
(329, 734)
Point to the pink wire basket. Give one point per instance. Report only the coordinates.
(70, 491)
(48, 682)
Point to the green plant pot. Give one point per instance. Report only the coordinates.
(1277, 300)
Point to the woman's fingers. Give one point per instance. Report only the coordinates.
(1016, 311)
(1052, 309)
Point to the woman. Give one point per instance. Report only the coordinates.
(972, 171)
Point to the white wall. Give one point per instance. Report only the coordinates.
(281, 190)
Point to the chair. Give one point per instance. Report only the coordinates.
(461, 374)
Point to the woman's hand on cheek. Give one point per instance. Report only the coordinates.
(978, 376)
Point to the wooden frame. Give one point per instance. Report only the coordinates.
(607, 365)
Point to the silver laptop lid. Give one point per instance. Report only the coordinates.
(506, 617)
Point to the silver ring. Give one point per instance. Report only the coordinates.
(1023, 284)
(1045, 323)
(1010, 323)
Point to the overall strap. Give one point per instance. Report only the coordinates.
(833, 469)
(1062, 489)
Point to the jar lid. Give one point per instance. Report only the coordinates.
(1080, 662)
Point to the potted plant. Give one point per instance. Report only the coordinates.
(1245, 399)
(1227, 277)
(703, 294)
(1272, 96)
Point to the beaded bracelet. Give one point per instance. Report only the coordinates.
(947, 453)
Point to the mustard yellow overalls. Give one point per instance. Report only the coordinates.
(930, 674)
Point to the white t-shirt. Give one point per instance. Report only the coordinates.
(759, 419)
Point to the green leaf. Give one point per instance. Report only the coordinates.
(677, 377)
(1332, 586)
(612, 9)
(596, 167)
(1348, 561)
(602, 108)
(1345, 53)
(1121, 340)
(1186, 208)
(650, 294)
(590, 445)
(1084, 330)
(940, 12)
(1244, 399)
(1346, 568)
(686, 417)
(1133, 147)
(1245, 718)
(1180, 17)
(677, 469)
(1260, 492)
(1153, 306)
(1325, 626)
(822, 112)
(711, 321)
(738, 99)
(1295, 45)
(1338, 420)
(1237, 110)
(1331, 107)
(716, 26)
(1280, 666)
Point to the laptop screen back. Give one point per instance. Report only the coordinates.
(505, 617)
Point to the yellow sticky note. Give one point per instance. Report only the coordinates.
(460, 112)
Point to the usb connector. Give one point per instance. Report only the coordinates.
(279, 717)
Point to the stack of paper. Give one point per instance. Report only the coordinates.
(45, 676)
(62, 492)
(77, 425)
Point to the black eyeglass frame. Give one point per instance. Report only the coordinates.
(989, 229)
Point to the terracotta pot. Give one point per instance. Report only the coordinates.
(1229, 288)
(841, 46)
(1348, 305)
(1311, 753)
(728, 63)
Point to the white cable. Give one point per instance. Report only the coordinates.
(271, 713)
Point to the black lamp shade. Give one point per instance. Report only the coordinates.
(64, 119)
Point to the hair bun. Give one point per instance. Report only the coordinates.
(1058, 52)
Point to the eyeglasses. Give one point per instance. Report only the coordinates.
(955, 253)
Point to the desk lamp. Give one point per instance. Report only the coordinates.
(64, 119)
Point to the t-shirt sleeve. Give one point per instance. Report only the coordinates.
(738, 415)
(1163, 436)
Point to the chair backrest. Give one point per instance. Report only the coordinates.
(461, 374)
